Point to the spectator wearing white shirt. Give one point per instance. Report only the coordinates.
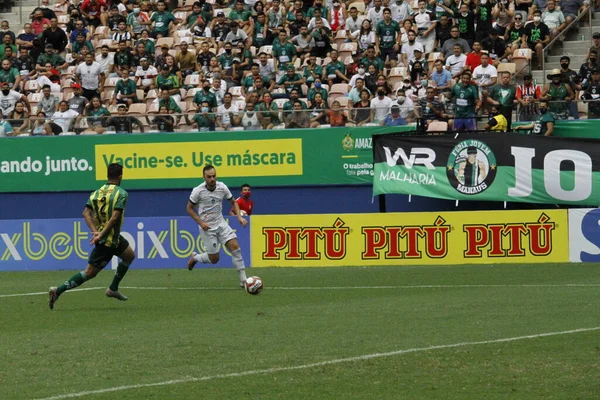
(225, 112)
(380, 105)
(106, 59)
(426, 23)
(456, 62)
(406, 104)
(375, 14)
(360, 75)
(318, 16)
(485, 76)
(408, 49)
(401, 10)
(353, 23)
(553, 18)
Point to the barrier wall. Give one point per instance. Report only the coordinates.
(584, 235)
(410, 238)
(53, 244)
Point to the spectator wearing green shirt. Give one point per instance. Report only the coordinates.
(10, 75)
(317, 5)
(268, 112)
(169, 82)
(291, 80)
(162, 20)
(96, 113)
(294, 97)
(226, 59)
(80, 43)
(205, 96)
(503, 96)
(145, 40)
(388, 38)
(370, 59)
(316, 88)
(260, 34)
(543, 125)
(204, 120)
(242, 17)
(335, 70)
(312, 70)
(50, 57)
(284, 52)
(7, 42)
(466, 104)
(167, 101)
(125, 90)
(248, 81)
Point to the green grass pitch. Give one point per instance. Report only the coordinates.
(314, 333)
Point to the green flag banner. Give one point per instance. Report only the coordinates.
(489, 166)
(165, 161)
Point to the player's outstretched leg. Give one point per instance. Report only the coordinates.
(238, 260)
(203, 258)
(76, 280)
(127, 258)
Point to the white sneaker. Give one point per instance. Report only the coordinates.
(117, 295)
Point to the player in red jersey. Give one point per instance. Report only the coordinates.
(246, 205)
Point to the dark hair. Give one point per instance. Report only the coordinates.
(565, 58)
(207, 167)
(114, 171)
(46, 86)
(245, 184)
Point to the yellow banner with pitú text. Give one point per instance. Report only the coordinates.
(395, 239)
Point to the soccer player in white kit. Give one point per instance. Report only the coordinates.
(205, 206)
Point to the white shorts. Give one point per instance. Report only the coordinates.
(220, 234)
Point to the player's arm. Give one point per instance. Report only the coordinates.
(549, 128)
(525, 127)
(192, 213)
(114, 219)
(236, 210)
(89, 219)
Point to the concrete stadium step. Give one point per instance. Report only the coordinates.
(576, 59)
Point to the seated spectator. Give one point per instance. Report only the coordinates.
(431, 108)
(125, 90)
(185, 60)
(122, 34)
(474, 57)
(514, 34)
(5, 128)
(393, 119)
(371, 78)
(337, 116)
(226, 113)
(237, 35)
(96, 113)
(25, 64)
(123, 123)
(48, 102)
(294, 96)
(7, 42)
(204, 119)
(147, 42)
(249, 119)
(362, 109)
(268, 112)
(298, 118)
(319, 111)
(317, 89)
(543, 125)
(78, 102)
(80, 43)
(106, 60)
(456, 63)
(52, 58)
(312, 70)
(354, 94)
(497, 122)
(25, 39)
(138, 20)
(418, 58)
(553, 18)
(304, 42)
(163, 122)
(440, 77)
(162, 20)
(585, 71)
(592, 94)
(39, 125)
(168, 81)
(536, 36)
(405, 105)
(291, 80)
(10, 74)
(39, 21)
(62, 120)
(145, 74)
(503, 13)
(140, 53)
(448, 47)
(370, 59)
(19, 118)
(166, 100)
(408, 49)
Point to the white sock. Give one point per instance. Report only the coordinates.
(238, 263)
(202, 258)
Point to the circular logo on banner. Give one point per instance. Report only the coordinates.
(471, 167)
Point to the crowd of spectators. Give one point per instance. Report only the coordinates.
(135, 65)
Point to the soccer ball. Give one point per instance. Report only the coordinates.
(254, 285)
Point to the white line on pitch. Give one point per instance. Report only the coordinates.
(582, 285)
(312, 365)
(46, 292)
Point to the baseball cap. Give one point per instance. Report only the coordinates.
(220, 14)
(596, 35)
(49, 46)
(290, 67)
(4, 84)
(395, 109)
(76, 86)
(528, 76)
(595, 70)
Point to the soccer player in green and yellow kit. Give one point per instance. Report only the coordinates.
(104, 214)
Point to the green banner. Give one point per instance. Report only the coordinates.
(489, 166)
(165, 161)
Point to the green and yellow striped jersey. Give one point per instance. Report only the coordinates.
(102, 202)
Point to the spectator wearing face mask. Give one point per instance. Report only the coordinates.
(360, 74)
(406, 106)
(244, 202)
(380, 105)
(537, 35)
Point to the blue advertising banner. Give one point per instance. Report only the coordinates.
(158, 242)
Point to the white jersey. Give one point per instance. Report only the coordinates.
(209, 205)
(90, 75)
